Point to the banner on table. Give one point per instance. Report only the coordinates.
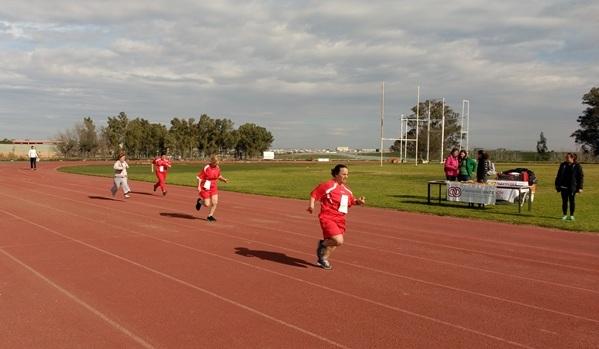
(471, 192)
(506, 194)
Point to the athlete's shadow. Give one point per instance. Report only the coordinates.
(142, 193)
(273, 256)
(178, 215)
(95, 197)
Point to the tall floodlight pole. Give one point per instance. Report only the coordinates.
(401, 140)
(428, 133)
(442, 128)
(382, 117)
(466, 116)
(417, 124)
(405, 142)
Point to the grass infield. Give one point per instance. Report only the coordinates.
(394, 186)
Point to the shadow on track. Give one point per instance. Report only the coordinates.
(95, 197)
(178, 215)
(274, 257)
(142, 193)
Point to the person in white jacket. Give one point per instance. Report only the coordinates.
(33, 158)
(120, 176)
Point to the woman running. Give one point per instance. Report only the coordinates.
(335, 199)
(120, 176)
(161, 166)
(207, 186)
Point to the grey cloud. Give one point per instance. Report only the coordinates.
(316, 65)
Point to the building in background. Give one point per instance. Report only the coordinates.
(19, 149)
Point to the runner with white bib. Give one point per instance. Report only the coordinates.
(335, 199)
(208, 188)
(161, 165)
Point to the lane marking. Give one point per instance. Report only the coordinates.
(168, 277)
(394, 308)
(79, 301)
(480, 252)
(347, 263)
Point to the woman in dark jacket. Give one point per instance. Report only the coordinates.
(568, 182)
(482, 166)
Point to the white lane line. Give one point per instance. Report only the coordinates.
(179, 281)
(77, 300)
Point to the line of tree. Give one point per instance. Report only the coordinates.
(185, 138)
(452, 130)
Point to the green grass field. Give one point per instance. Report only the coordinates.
(400, 187)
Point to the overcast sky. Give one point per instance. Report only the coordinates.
(309, 71)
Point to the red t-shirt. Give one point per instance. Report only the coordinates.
(209, 174)
(334, 199)
(161, 166)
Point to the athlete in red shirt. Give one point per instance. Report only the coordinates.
(335, 199)
(207, 186)
(161, 166)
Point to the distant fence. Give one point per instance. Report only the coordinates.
(20, 151)
(501, 155)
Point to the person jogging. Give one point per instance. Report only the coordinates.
(120, 176)
(161, 167)
(335, 199)
(208, 188)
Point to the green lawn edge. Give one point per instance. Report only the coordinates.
(397, 187)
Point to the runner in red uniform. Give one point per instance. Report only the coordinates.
(161, 166)
(207, 186)
(335, 199)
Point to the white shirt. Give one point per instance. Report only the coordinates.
(120, 169)
(32, 153)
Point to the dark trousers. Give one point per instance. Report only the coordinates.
(568, 196)
(451, 178)
(33, 162)
(463, 178)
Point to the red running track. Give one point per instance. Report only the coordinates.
(79, 269)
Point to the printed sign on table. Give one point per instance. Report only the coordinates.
(471, 192)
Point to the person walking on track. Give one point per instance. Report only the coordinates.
(335, 199)
(33, 158)
(120, 176)
(161, 167)
(208, 188)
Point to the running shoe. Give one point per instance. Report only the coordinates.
(564, 218)
(127, 196)
(572, 218)
(324, 264)
(211, 219)
(164, 193)
(198, 204)
(320, 249)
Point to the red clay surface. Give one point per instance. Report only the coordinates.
(79, 269)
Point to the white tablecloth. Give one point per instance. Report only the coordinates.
(471, 192)
(505, 194)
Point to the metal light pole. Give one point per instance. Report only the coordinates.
(428, 133)
(442, 129)
(417, 124)
(382, 117)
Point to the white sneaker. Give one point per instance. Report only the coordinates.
(572, 218)
(127, 196)
(564, 218)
